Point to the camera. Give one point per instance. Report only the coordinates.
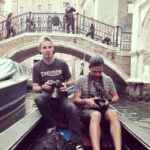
(55, 89)
(100, 102)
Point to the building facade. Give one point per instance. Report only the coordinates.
(23, 6)
(140, 46)
(134, 16)
(114, 12)
(2, 2)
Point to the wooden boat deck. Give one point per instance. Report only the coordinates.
(20, 135)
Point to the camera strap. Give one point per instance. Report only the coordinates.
(99, 90)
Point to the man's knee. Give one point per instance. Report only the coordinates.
(95, 116)
(112, 115)
(72, 107)
(40, 100)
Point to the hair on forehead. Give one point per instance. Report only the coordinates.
(96, 61)
(43, 39)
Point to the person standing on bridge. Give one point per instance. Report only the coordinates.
(69, 17)
(98, 86)
(51, 77)
(9, 26)
(56, 23)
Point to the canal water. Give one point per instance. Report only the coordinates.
(139, 113)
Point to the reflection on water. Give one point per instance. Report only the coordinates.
(139, 113)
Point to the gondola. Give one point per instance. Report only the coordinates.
(13, 83)
(23, 134)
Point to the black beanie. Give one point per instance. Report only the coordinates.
(96, 61)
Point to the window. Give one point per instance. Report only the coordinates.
(39, 7)
(21, 9)
(50, 7)
(64, 4)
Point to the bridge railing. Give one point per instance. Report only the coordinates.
(101, 29)
(41, 22)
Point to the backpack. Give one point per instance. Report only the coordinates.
(51, 141)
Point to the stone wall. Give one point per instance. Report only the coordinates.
(139, 92)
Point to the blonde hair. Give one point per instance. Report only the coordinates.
(43, 39)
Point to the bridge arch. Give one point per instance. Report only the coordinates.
(25, 51)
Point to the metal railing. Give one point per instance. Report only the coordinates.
(41, 22)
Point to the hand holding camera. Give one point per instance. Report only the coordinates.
(101, 103)
(46, 86)
(63, 87)
(57, 87)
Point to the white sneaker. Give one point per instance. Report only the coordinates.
(79, 147)
(49, 130)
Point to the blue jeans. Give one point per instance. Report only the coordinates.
(48, 107)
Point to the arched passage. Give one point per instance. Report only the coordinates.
(27, 51)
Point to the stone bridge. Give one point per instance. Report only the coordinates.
(117, 63)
